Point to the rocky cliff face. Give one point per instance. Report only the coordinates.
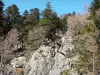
(52, 59)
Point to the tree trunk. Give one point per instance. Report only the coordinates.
(93, 63)
(1, 62)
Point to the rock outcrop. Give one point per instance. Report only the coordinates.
(18, 62)
(52, 59)
(16, 66)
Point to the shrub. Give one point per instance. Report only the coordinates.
(66, 72)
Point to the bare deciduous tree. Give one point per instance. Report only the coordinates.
(75, 23)
(7, 48)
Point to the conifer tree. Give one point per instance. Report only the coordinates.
(95, 6)
(13, 15)
(1, 17)
(73, 13)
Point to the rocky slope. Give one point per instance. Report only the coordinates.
(52, 59)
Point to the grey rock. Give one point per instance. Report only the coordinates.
(49, 60)
(21, 54)
(18, 62)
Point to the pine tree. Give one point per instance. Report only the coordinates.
(47, 11)
(36, 13)
(1, 11)
(95, 5)
(73, 13)
(94, 8)
(25, 13)
(1, 17)
(69, 14)
(34, 16)
(13, 15)
(30, 18)
(53, 22)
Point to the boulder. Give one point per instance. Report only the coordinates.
(18, 62)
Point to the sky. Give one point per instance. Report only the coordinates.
(60, 6)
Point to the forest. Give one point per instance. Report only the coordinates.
(24, 34)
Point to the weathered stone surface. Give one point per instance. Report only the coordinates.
(18, 62)
(49, 60)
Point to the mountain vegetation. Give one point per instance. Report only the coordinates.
(33, 27)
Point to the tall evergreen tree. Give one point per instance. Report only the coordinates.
(73, 13)
(94, 8)
(34, 16)
(36, 13)
(13, 15)
(47, 11)
(30, 18)
(95, 5)
(25, 13)
(69, 14)
(1, 17)
(1, 10)
(54, 23)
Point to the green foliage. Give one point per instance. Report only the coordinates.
(36, 13)
(73, 13)
(4, 28)
(82, 64)
(65, 72)
(69, 14)
(47, 13)
(44, 22)
(34, 37)
(22, 73)
(79, 45)
(88, 28)
(56, 25)
(1, 18)
(95, 5)
(13, 16)
(53, 22)
(31, 19)
(1, 10)
(25, 13)
(95, 11)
